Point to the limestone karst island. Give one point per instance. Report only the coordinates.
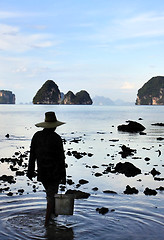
(152, 92)
(49, 93)
(7, 97)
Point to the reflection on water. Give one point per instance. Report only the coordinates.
(133, 217)
(129, 217)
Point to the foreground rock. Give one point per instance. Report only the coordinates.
(127, 168)
(9, 179)
(78, 194)
(126, 151)
(149, 191)
(102, 210)
(132, 126)
(130, 190)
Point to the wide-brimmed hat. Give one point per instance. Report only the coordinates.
(50, 121)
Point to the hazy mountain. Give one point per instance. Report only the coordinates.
(103, 101)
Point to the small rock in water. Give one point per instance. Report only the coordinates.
(154, 172)
(149, 191)
(83, 181)
(109, 191)
(127, 168)
(160, 188)
(131, 127)
(10, 194)
(102, 210)
(98, 174)
(130, 190)
(78, 194)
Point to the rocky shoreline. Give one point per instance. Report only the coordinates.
(17, 164)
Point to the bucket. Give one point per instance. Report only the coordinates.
(64, 204)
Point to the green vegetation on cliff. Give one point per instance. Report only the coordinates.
(7, 97)
(152, 92)
(48, 94)
(81, 98)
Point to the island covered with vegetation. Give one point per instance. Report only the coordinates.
(49, 93)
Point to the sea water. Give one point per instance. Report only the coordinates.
(94, 128)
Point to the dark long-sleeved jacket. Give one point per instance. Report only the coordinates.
(47, 150)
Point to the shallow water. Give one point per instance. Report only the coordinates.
(132, 217)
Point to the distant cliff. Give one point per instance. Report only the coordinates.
(81, 98)
(152, 92)
(7, 97)
(49, 93)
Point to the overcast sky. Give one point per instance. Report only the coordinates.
(108, 47)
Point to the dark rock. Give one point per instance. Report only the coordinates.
(83, 181)
(109, 191)
(147, 159)
(158, 179)
(4, 189)
(78, 155)
(70, 182)
(160, 138)
(159, 152)
(130, 190)
(149, 191)
(7, 135)
(98, 174)
(78, 194)
(112, 210)
(9, 179)
(107, 170)
(154, 172)
(10, 194)
(20, 173)
(102, 210)
(132, 126)
(114, 140)
(94, 166)
(90, 154)
(158, 124)
(143, 133)
(20, 191)
(160, 188)
(95, 189)
(76, 140)
(127, 168)
(126, 151)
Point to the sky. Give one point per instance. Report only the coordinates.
(108, 48)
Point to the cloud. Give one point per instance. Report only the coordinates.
(21, 69)
(128, 86)
(20, 14)
(13, 40)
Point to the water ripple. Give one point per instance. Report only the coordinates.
(130, 218)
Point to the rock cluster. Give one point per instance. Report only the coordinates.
(49, 93)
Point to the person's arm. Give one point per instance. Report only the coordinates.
(32, 159)
(63, 165)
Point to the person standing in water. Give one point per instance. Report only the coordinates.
(47, 150)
